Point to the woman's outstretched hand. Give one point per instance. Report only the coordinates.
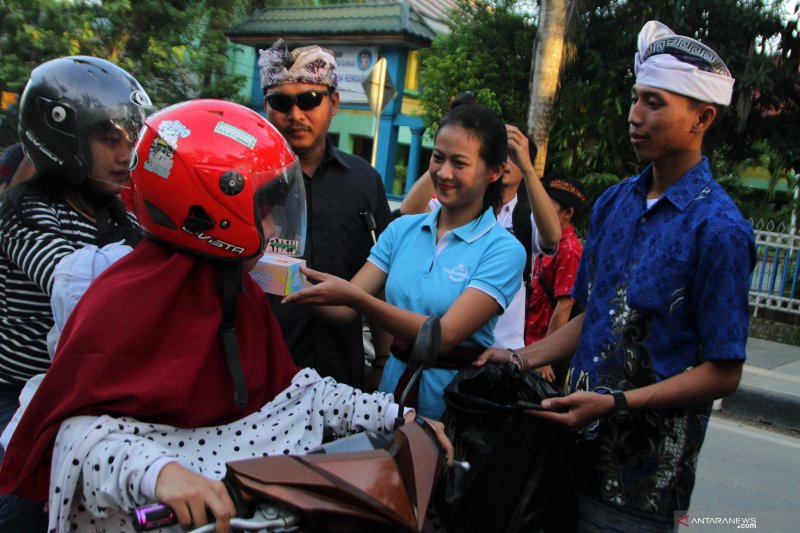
(327, 289)
(190, 494)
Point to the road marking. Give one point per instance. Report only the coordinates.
(771, 374)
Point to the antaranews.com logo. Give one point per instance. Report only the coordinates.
(737, 522)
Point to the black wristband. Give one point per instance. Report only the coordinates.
(621, 411)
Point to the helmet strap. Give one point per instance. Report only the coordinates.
(229, 284)
(113, 225)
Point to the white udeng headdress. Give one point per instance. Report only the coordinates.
(699, 73)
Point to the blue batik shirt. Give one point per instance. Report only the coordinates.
(665, 288)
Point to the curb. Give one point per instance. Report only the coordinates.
(764, 406)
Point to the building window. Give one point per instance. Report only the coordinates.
(400, 170)
(362, 147)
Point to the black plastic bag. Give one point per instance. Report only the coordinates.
(522, 476)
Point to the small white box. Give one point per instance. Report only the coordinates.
(279, 274)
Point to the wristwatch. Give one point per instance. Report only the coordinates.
(621, 411)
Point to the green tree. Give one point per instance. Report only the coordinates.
(210, 59)
(488, 52)
(28, 30)
(588, 136)
(310, 3)
(590, 124)
(175, 48)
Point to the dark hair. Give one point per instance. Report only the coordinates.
(51, 189)
(568, 192)
(489, 129)
(467, 97)
(722, 110)
(43, 184)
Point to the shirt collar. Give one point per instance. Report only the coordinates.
(469, 232)
(331, 154)
(509, 206)
(683, 191)
(505, 215)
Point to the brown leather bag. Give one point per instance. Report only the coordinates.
(349, 491)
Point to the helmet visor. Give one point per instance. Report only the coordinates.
(280, 209)
(110, 149)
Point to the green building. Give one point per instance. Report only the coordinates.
(359, 35)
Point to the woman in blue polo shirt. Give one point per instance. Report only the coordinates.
(456, 262)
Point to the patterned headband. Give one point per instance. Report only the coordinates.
(567, 187)
(689, 51)
(306, 64)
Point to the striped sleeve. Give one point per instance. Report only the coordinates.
(29, 252)
(36, 247)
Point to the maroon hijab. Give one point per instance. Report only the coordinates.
(142, 342)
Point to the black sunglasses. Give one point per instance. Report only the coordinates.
(305, 101)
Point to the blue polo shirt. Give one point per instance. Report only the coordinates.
(665, 288)
(426, 277)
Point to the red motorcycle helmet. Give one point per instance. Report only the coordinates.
(206, 172)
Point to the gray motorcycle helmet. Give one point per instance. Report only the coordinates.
(68, 98)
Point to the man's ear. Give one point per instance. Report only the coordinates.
(334, 102)
(706, 114)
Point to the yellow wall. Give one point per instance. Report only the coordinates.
(412, 72)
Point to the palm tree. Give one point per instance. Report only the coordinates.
(548, 54)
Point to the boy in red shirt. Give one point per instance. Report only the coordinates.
(550, 305)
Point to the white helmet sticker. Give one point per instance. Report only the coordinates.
(159, 160)
(237, 134)
(172, 130)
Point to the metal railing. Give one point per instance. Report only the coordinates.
(773, 284)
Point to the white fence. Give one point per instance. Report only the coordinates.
(774, 281)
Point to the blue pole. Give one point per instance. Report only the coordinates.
(412, 173)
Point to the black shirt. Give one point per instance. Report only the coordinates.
(338, 242)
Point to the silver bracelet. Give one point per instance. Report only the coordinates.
(517, 359)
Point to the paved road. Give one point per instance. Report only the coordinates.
(748, 471)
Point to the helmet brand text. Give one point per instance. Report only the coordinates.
(140, 98)
(43, 148)
(228, 247)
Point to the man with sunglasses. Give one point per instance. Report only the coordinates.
(345, 199)
(664, 277)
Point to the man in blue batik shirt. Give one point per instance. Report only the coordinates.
(664, 277)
